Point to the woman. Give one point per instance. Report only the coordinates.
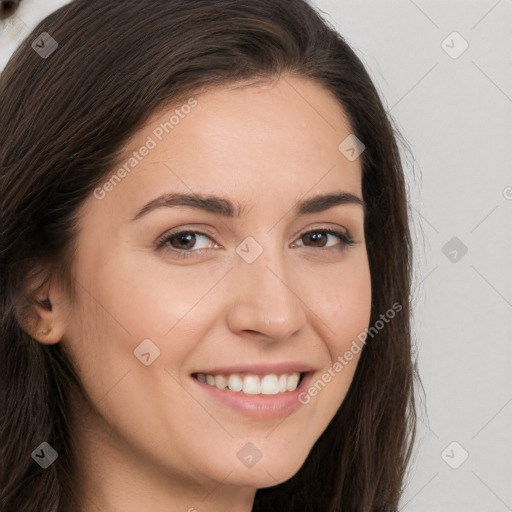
(205, 265)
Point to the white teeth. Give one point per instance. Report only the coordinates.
(292, 382)
(252, 385)
(282, 383)
(220, 381)
(270, 384)
(235, 383)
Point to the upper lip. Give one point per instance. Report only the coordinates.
(260, 369)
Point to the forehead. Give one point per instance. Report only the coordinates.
(271, 140)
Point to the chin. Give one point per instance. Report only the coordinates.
(267, 473)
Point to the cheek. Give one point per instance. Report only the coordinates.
(149, 297)
(99, 345)
(121, 304)
(343, 307)
(345, 304)
(130, 300)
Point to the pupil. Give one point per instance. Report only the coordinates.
(316, 237)
(184, 237)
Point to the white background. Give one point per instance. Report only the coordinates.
(455, 113)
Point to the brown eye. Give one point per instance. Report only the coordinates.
(184, 240)
(319, 238)
(183, 243)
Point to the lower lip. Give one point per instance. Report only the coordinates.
(258, 406)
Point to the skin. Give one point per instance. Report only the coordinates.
(149, 438)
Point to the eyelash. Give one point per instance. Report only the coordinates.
(345, 238)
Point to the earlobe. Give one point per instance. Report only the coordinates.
(47, 335)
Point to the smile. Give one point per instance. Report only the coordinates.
(250, 384)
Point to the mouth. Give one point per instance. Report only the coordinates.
(253, 384)
(256, 391)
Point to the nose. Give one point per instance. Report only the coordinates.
(264, 301)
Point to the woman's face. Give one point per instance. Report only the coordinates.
(251, 298)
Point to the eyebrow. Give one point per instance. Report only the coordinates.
(225, 208)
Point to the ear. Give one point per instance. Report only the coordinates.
(46, 319)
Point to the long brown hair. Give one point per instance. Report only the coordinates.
(63, 121)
